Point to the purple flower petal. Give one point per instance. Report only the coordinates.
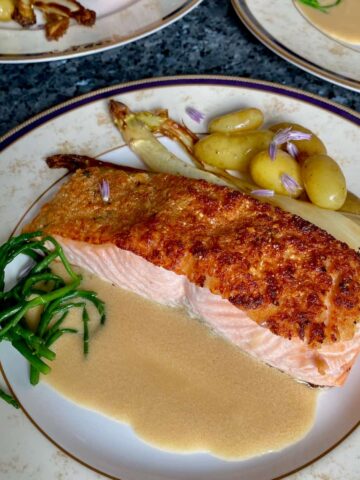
(272, 151)
(105, 190)
(290, 184)
(281, 136)
(286, 136)
(194, 114)
(292, 149)
(263, 193)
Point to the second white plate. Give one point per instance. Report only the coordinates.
(281, 27)
(118, 22)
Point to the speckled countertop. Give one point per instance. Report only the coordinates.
(211, 40)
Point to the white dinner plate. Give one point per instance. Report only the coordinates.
(281, 27)
(83, 125)
(118, 22)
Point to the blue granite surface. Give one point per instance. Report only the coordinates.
(211, 39)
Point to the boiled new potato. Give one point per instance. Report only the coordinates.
(232, 151)
(242, 120)
(307, 148)
(6, 10)
(352, 204)
(268, 173)
(324, 182)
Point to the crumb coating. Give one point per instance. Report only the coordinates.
(285, 273)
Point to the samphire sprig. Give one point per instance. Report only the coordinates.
(324, 8)
(40, 287)
(9, 399)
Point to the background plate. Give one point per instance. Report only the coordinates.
(283, 29)
(118, 22)
(83, 125)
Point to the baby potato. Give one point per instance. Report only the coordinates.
(267, 173)
(352, 204)
(307, 148)
(324, 182)
(240, 121)
(232, 151)
(6, 10)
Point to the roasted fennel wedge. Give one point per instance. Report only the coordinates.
(156, 157)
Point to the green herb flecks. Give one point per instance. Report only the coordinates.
(39, 286)
(322, 8)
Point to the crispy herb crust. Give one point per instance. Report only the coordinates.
(284, 272)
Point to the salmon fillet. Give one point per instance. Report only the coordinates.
(275, 285)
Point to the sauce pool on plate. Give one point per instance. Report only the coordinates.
(179, 386)
(341, 22)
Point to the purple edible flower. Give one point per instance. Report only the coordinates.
(263, 193)
(285, 136)
(292, 149)
(194, 114)
(272, 150)
(290, 184)
(105, 190)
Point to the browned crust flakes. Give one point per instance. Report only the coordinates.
(284, 272)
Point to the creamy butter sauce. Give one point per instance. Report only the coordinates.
(177, 384)
(341, 22)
